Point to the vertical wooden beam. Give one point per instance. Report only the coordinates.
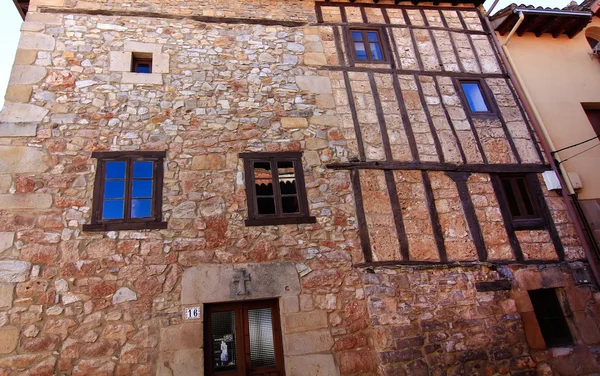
(461, 67)
(449, 120)
(438, 55)
(338, 46)
(357, 131)
(380, 118)
(413, 39)
(506, 218)
(410, 136)
(397, 212)
(363, 230)
(434, 135)
(460, 179)
(534, 183)
(433, 216)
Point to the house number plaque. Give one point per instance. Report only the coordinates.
(192, 313)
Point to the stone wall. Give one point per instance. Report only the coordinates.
(111, 303)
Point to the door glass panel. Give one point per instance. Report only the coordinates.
(262, 347)
(224, 355)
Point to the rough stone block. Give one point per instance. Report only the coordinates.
(9, 336)
(52, 3)
(124, 294)
(22, 113)
(37, 41)
(32, 26)
(208, 162)
(315, 58)
(25, 201)
(46, 18)
(142, 78)
(312, 158)
(314, 84)
(308, 342)
(217, 281)
(325, 120)
(21, 159)
(6, 240)
(18, 129)
(311, 365)
(18, 93)
(12, 271)
(305, 321)
(132, 46)
(6, 295)
(179, 337)
(120, 61)
(293, 122)
(540, 279)
(160, 63)
(25, 57)
(181, 363)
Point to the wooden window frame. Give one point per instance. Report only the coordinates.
(242, 337)
(279, 218)
(488, 98)
(382, 43)
(127, 223)
(521, 222)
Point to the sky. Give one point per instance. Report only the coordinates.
(10, 23)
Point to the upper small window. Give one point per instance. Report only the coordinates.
(550, 318)
(368, 45)
(275, 189)
(141, 62)
(522, 205)
(127, 191)
(476, 98)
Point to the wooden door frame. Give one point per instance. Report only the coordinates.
(242, 340)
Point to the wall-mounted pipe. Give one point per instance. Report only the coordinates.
(514, 29)
(547, 149)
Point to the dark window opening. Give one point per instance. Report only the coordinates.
(141, 62)
(127, 191)
(275, 189)
(521, 204)
(243, 339)
(594, 118)
(550, 318)
(367, 45)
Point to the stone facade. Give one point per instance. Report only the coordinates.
(384, 283)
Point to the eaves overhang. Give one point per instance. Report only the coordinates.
(22, 7)
(541, 21)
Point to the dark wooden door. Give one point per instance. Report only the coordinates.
(243, 339)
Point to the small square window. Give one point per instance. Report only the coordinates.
(367, 45)
(141, 62)
(550, 318)
(127, 191)
(275, 189)
(521, 204)
(476, 98)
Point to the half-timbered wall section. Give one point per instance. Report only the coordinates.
(422, 161)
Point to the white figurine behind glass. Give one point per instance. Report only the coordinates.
(224, 355)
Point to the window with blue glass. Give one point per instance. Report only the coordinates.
(128, 191)
(141, 62)
(476, 98)
(368, 45)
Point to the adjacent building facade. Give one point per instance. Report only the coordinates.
(270, 188)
